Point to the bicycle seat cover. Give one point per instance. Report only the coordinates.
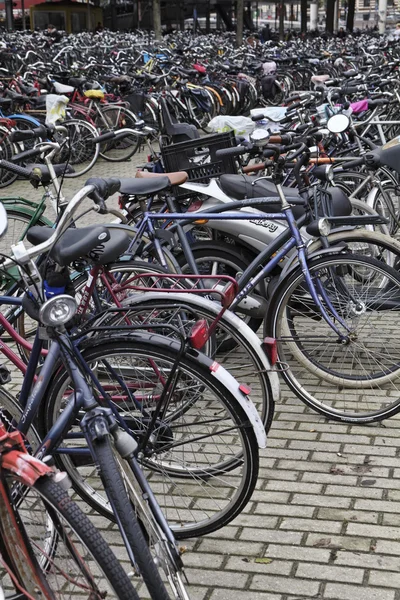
(99, 94)
(175, 178)
(61, 88)
(98, 244)
(143, 187)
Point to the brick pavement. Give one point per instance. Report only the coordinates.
(324, 521)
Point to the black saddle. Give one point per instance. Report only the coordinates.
(97, 244)
(350, 73)
(240, 187)
(143, 187)
(5, 102)
(76, 82)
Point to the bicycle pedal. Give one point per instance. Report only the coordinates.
(5, 375)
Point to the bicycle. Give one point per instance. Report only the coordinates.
(48, 546)
(231, 401)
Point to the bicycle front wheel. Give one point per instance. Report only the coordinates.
(202, 459)
(354, 378)
(81, 564)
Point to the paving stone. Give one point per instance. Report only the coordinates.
(285, 585)
(333, 591)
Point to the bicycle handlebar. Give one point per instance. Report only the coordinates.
(96, 188)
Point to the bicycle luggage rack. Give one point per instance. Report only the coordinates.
(227, 293)
(198, 159)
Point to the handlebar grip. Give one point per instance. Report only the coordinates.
(27, 154)
(275, 139)
(30, 134)
(294, 106)
(254, 168)
(353, 163)
(104, 188)
(104, 138)
(286, 120)
(259, 117)
(237, 151)
(21, 171)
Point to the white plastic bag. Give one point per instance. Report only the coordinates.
(271, 114)
(240, 125)
(55, 108)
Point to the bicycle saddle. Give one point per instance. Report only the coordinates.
(175, 178)
(240, 187)
(97, 243)
(61, 88)
(143, 187)
(76, 81)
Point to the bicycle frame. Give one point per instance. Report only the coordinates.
(295, 241)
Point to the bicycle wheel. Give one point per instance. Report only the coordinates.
(80, 152)
(6, 153)
(112, 118)
(246, 360)
(356, 380)
(115, 486)
(18, 223)
(81, 565)
(202, 461)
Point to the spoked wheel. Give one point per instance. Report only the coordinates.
(202, 458)
(114, 117)
(81, 564)
(80, 152)
(355, 378)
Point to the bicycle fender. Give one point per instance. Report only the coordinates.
(23, 465)
(370, 201)
(293, 263)
(241, 394)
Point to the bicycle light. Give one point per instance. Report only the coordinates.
(324, 226)
(58, 310)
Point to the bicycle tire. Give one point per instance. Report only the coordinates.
(230, 460)
(81, 152)
(115, 488)
(58, 502)
(313, 374)
(18, 223)
(123, 118)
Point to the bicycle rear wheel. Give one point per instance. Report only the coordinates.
(81, 152)
(354, 381)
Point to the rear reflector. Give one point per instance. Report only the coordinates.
(271, 350)
(199, 334)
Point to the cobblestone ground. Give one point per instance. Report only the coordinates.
(324, 521)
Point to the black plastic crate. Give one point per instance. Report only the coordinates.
(197, 158)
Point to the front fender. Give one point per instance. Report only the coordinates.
(25, 466)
